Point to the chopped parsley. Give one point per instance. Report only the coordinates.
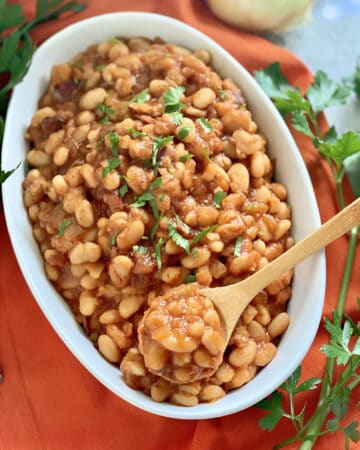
(112, 241)
(114, 141)
(115, 41)
(190, 278)
(140, 97)
(172, 103)
(105, 109)
(148, 196)
(140, 249)
(184, 158)
(222, 94)
(237, 247)
(218, 198)
(136, 134)
(195, 253)
(156, 226)
(77, 64)
(177, 238)
(183, 132)
(158, 144)
(203, 233)
(112, 164)
(157, 251)
(100, 67)
(205, 125)
(123, 190)
(182, 225)
(64, 224)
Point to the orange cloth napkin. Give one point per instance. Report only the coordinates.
(49, 401)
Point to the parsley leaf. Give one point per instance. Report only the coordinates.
(177, 238)
(158, 144)
(352, 168)
(183, 132)
(218, 198)
(182, 225)
(123, 190)
(272, 404)
(140, 97)
(338, 347)
(100, 67)
(172, 103)
(184, 158)
(64, 224)
(136, 134)
(357, 79)
(157, 252)
(112, 241)
(222, 94)
(205, 125)
(114, 141)
(156, 226)
(112, 164)
(347, 145)
(115, 41)
(190, 278)
(105, 109)
(4, 174)
(273, 81)
(237, 247)
(203, 233)
(77, 64)
(147, 196)
(300, 123)
(140, 249)
(324, 93)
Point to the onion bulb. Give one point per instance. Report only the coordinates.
(262, 15)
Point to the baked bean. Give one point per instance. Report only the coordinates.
(108, 348)
(243, 356)
(120, 270)
(203, 98)
(195, 261)
(84, 214)
(224, 373)
(91, 99)
(256, 331)
(239, 178)
(211, 393)
(87, 303)
(85, 252)
(132, 233)
(130, 305)
(265, 353)
(279, 324)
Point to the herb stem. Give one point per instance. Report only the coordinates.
(339, 192)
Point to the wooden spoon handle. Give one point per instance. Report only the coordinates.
(318, 239)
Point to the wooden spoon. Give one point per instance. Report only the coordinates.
(230, 301)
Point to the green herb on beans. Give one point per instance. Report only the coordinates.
(17, 47)
(206, 154)
(105, 109)
(116, 41)
(195, 253)
(136, 134)
(64, 224)
(124, 189)
(176, 237)
(237, 246)
(186, 157)
(148, 197)
(162, 197)
(183, 132)
(218, 198)
(182, 224)
(77, 64)
(205, 125)
(158, 144)
(154, 229)
(140, 249)
(172, 103)
(113, 163)
(140, 97)
(114, 141)
(222, 94)
(343, 347)
(171, 170)
(190, 278)
(112, 241)
(100, 67)
(203, 233)
(157, 251)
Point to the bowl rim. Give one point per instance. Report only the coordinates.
(167, 410)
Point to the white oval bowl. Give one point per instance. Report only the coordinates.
(306, 303)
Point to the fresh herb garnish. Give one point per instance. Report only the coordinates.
(184, 158)
(172, 103)
(218, 198)
(182, 224)
(203, 233)
(222, 94)
(123, 190)
(17, 48)
(115, 41)
(114, 141)
(105, 109)
(195, 253)
(237, 246)
(158, 144)
(64, 224)
(183, 132)
(190, 278)
(100, 67)
(140, 249)
(148, 196)
(77, 64)
(4, 174)
(140, 97)
(112, 164)
(154, 229)
(157, 251)
(136, 134)
(112, 241)
(343, 155)
(177, 238)
(205, 125)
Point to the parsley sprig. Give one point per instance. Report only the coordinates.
(158, 144)
(172, 103)
(343, 156)
(148, 197)
(17, 47)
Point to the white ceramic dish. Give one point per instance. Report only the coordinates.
(309, 284)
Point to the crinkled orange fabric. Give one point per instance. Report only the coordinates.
(49, 401)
